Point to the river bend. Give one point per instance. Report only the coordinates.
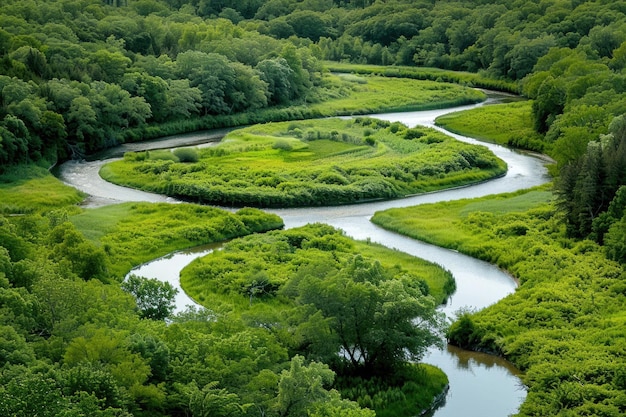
(480, 384)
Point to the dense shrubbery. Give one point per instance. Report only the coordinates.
(311, 163)
(320, 293)
(563, 326)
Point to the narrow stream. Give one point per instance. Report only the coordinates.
(480, 384)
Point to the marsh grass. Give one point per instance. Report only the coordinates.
(134, 233)
(218, 278)
(31, 188)
(425, 73)
(565, 320)
(326, 162)
(506, 124)
(439, 223)
(411, 390)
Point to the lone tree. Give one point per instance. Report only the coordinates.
(374, 322)
(155, 299)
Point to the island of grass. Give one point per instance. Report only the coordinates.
(310, 163)
(365, 310)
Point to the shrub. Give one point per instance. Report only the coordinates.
(162, 155)
(413, 134)
(186, 154)
(282, 144)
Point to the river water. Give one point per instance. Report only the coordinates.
(480, 385)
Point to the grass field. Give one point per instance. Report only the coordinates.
(564, 325)
(134, 233)
(31, 188)
(311, 163)
(506, 124)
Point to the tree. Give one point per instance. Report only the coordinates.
(301, 386)
(82, 257)
(182, 99)
(549, 103)
(276, 73)
(302, 391)
(375, 323)
(211, 401)
(155, 299)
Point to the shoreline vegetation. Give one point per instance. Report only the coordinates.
(563, 327)
(341, 94)
(79, 76)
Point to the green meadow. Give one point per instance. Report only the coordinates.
(507, 124)
(425, 73)
(134, 233)
(31, 188)
(310, 163)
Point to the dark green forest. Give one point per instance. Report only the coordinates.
(78, 76)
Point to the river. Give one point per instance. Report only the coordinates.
(480, 384)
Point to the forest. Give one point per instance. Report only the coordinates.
(79, 76)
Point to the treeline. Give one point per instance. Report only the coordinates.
(76, 75)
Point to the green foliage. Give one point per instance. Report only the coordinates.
(29, 188)
(320, 293)
(425, 73)
(564, 323)
(270, 166)
(155, 299)
(505, 124)
(411, 388)
(587, 186)
(133, 233)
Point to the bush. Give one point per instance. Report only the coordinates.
(282, 145)
(413, 134)
(186, 154)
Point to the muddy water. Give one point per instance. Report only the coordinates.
(480, 384)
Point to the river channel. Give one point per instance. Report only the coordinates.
(480, 385)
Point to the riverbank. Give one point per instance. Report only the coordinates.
(568, 309)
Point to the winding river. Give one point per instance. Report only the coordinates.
(480, 384)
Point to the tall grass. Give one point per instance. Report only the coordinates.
(133, 233)
(31, 188)
(506, 124)
(317, 162)
(424, 73)
(564, 325)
